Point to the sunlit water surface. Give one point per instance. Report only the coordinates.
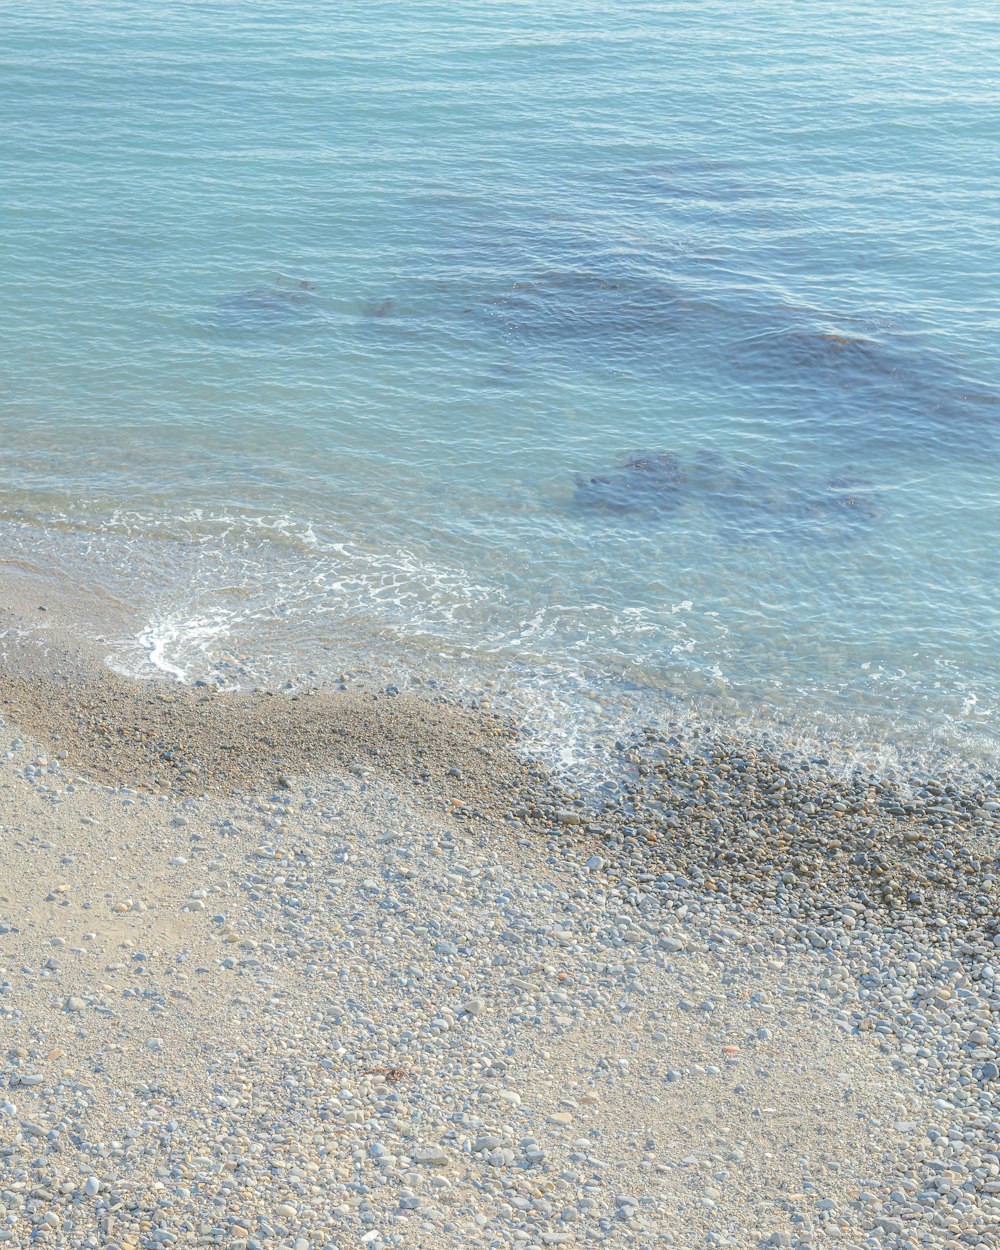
(318, 323)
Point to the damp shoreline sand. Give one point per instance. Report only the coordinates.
(340, 968)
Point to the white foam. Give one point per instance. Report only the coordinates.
(170, 645)
(156, 641)
(255, 598)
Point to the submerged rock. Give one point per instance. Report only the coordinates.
(847, 498)
(650, 483)
(384, 307)
(874, 384)
(279, 302)
(755, 500)
(747, 499)
(603, 309)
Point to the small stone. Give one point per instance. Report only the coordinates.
(431, 1156)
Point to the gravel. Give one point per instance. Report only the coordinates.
(401, 987)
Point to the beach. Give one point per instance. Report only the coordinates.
(350, 968)
(499, 684)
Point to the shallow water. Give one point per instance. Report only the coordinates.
(312, 320)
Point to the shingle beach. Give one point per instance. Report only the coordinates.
(348, 969)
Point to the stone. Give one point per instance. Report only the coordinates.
(431, 1156)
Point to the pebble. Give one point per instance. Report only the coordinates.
(318, 1067)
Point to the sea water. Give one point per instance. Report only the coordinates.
(319, 322)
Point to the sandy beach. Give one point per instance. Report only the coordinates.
(346, 968)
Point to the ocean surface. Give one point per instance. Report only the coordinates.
(631, 359)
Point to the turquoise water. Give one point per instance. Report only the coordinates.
(314, 318)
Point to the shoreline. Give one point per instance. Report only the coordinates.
(363, 933)
(742, 805)
(563, 716)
